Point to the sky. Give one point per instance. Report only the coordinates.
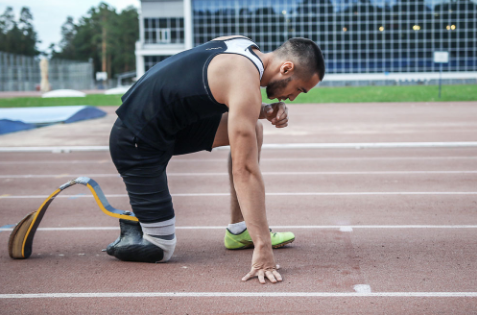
(49, 15)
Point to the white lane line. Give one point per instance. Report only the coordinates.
(362, 288)
(279, 146)
(342, 228)
(263, 173)
(237, 294)
(384, 158)
(346, 229)
(397, 193)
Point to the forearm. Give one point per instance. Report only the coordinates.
(250, 191)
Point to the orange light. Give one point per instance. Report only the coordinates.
(345, 29)
(381, 28)
(416, 27)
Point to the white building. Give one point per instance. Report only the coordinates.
(165, 28)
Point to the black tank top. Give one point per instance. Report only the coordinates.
(175, 92)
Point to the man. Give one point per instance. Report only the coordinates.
(203, 98)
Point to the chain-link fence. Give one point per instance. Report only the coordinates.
(22, 73)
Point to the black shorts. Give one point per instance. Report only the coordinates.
(143, 167)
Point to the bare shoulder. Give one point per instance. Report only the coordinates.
(229, 73)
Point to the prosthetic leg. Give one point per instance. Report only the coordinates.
(129, 246)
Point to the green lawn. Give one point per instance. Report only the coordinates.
(418, 93)
(92, 99)
(318, 95)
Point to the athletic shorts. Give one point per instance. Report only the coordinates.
(143, 167)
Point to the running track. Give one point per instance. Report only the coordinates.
(379, 231)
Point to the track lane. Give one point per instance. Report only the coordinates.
(286, 210)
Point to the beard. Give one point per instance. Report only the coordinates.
(274, 88)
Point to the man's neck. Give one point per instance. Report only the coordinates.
(267, 64)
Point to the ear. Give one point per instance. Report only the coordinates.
(287, 68)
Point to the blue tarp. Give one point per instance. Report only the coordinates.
(7, 126)
(16, 119)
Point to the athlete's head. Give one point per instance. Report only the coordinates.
(301, 67)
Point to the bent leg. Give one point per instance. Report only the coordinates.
(143, 171)
(236, 235)
(222, 139)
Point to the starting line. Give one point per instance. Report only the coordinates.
(237, 294)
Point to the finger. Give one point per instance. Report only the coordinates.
(283, 116)
(248, 276)
(271, 277)
(261, 276)
(277, 120)
(277, 275)
(281, 112)
(281, 126)
(269, 109)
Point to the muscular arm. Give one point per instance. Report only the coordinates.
(238, 86)
(248, 182)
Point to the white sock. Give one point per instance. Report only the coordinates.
(237, 228)
(162, 234)
(168, 246)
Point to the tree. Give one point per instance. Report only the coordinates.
(18, 37)
(103, 35)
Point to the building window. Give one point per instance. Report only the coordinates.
(150, 61)
(164, 35)
(164, 30)
(356, 36)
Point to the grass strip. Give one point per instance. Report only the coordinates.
(366, 94)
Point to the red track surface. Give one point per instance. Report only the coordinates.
(392, 256)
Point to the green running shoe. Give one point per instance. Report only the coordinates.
(243, 240)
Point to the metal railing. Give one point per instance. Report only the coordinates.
(22, 73)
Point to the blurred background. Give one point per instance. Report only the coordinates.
(365, 42)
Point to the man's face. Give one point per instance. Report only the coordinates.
(275, 88)
(290, 87)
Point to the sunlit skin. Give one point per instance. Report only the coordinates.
(233, 81)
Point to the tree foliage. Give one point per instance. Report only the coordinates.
(105, 36)
(18, 36)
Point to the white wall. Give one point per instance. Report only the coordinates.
(162, 9)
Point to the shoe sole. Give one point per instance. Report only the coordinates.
(274, 246)
(283, 244)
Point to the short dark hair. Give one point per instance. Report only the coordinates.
(307, 53)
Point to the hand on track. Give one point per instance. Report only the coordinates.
(271, 275)
(263, 265)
